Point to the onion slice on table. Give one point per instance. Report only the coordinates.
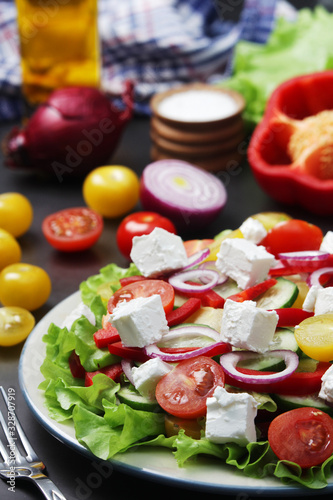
(314, 278)
(230, 360)
(186, 194)
(178, 280)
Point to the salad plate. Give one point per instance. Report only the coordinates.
(154, 464)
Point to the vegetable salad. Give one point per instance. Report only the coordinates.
(89, 372)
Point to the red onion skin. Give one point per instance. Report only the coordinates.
(74, 131)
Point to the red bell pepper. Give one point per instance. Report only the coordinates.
(291, 316)
(297, 384)
(209, 298)
(111, 371)
(106, 336)
(179, 315)
(75, 366)
(301, 175)
(135, 353)
(254, 291)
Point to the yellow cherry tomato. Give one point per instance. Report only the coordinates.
(111, 190)
(24, 285)
(15, 325)
(315, 337)
(10, 250)
(16, 213)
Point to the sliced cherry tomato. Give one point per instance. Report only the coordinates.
(137, 224)
(303, 436)
(193, 246)
(112, 371)
(314, 335)
(144, 288)
(73, 229)
(183, 391)
(292, 236)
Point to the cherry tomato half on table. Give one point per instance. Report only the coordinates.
(292, 236)
(15, 325)
(137, 224)
(111, 190)
(184, 390)
(303, 436)
(144, 288)
(24, 285)
(16, 213)
(73, 229)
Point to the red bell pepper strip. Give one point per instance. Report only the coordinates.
(297, 384)
(254, 291)
(209, 298)
(75, 366)
(291, 316)
(106, 336)
(134, 353)
(179, 315)
(111, 371)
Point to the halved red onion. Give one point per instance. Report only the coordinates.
(186, 194)
(196, 258)
(305, 256)
(127, 366)
(153, 351)
(211, 265)
(230, 360)
(314, 278)
(189, 331)
(178, 280)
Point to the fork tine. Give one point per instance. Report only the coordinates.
(31, 455)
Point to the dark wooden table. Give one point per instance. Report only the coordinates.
(72, 472)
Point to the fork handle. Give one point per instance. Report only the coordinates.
(47, 487)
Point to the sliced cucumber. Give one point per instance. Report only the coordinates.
(130, 396)
(283, 339)
(228, 288)
(282, 294)
(287, 403)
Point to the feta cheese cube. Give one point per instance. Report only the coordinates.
(158, 252)
(319, 300)
(247, 326)
(230, 417)
(244, 262)
(147, 376)
(326, 390)
(310, 299)
(80, 310)
(253, 230)
(327, 243)
(324, 301)
(141, 321)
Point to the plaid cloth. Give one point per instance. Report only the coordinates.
(154, 43)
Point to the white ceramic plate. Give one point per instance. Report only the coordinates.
(155, 464)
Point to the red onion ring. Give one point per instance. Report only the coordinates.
(191, 331)
(305, 256)
(178, 279)
(230, 360)
(211, 265)
(314, 278)
(153, 351)
(196, 258)
(127, 365)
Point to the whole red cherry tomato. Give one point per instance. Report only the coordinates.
(137, 224)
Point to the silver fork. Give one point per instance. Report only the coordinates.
(16, 466)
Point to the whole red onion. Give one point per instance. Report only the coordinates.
(74, 131)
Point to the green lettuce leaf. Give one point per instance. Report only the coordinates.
(294, 48)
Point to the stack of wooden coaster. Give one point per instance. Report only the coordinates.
(198, 123)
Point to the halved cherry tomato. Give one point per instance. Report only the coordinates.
(137, 224)
(73, 229)
(303, 436)
(183, 391)
(144, 288)
(292, 236)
